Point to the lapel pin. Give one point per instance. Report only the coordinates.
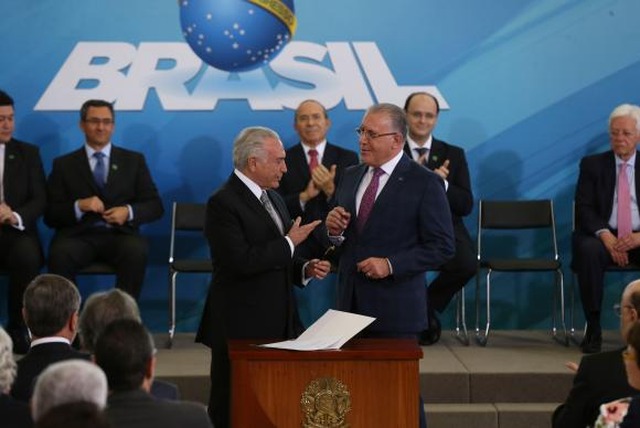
(435, 158)
(11, 157)
(114, 167)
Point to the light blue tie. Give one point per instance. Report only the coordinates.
(99, 170)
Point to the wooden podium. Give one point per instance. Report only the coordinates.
(368, 383)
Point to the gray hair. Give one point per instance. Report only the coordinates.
(49, 302)
(7, 363)
(626, 110)
(68, 382)
(102, 308)
(395, 113)
(250, 142)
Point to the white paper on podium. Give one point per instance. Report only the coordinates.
(330, 331)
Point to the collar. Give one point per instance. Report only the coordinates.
(253, 187)
(319, 148)
(90, 151)
(390, 165)
(631, 162)
(413, 145)
(50, 339)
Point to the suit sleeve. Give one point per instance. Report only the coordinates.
(573, 412)
(59, 212)
(147, 205)
(459, 191)
(588, 218)
(35, 204)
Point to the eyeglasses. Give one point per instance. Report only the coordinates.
(617, 309)
(370, 135)
(95, 121)
(626, 355)
(617, 133)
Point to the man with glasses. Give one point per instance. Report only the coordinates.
(607, 216)
(98, 196)
(601, 377)
(450, 163)
(393, 224)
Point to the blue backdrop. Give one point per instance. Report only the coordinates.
(528, 87)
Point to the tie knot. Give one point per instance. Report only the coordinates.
(421, 150)
(98, 155)
(377, 172)
(313, 153)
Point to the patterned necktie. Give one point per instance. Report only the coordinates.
(422, 151)
(264, 198)
(99, 170)
(624, 203)
(368, 199)
(313, 159)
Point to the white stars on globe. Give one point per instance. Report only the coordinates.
(209, 16)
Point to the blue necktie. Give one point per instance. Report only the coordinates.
(99, 170)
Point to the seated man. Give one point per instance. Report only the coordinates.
(100, 310)
(98, 196)
(51, 305)
(126, 353)
(22, 202)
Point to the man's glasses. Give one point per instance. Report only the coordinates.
(617, 309)
(370, 135)
(626, 355)
(95, 121)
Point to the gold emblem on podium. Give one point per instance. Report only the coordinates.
(325, 403)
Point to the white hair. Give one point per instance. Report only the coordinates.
(7, 363)
(628, 110)
(68, 382)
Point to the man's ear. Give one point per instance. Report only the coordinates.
(150, 369)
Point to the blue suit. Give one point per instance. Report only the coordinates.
(410, 224)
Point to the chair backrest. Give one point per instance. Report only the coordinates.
(185, 216)
(516, 214)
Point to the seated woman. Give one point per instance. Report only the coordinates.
(625, 413)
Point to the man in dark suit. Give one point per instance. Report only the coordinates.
(314, 168)
(22, 201)
(252, 241)
(393, 224)
(450, 163)
(607, 225)
(126, 353)
(51, 305)
(99, 195)
(601, 377)
(14, 413)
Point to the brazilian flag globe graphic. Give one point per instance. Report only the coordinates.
(237, 35)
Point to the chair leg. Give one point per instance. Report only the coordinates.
(483, 336)
(461, 318)
(572, 307)
(172, 306)
(559, 295)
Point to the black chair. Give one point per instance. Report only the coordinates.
(186, 219)
(517, 216)
(461, 318)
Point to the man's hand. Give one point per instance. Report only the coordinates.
(374, 268)
(317, 268)
(443, 170)
(628, 242)
(620, 258)
(299, 233)
(337, 221)
(92, 204)
(116, 215)
(324, 178)
(310, 192)
(6, 215)
(572, 366)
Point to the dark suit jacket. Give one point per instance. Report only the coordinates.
(295, 180)
(410, 224)
(632, 420)
(24, 183)
(601, 378)
(251, 292)
(137, 409)
(14, 413)
(595, 190)
(37, 359)
(128, 182)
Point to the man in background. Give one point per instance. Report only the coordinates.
(22, 202)
(450, 163)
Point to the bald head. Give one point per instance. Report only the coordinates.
(629, 307)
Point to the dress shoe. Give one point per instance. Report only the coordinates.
(592, 342)
(432, 334)
(20, 339)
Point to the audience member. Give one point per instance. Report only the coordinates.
(625, 413)
(99, 195)
(393, 224)
(252, 240)
(22, 201)
(68, 381)
(126, 353)
(450, 163)
(104, 307)
(13, 413)
(600, 377)
(79, 414)
(50, 309)
(314, 168)
(607, 216)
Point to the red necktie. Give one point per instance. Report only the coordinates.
(624, 203)
(313, 159)
(368, 198)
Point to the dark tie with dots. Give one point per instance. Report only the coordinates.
(368, 199)
(422, 151)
